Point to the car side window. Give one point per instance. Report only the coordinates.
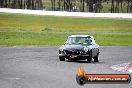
(88, 41)
(93, 42)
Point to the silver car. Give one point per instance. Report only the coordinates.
(79, 47)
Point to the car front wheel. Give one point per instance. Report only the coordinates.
(96, 59)
(62, 58)
(89, 59)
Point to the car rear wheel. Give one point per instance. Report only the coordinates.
(89, 59)
(62, 58)
(96, 59)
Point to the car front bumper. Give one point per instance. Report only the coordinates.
(74, 56)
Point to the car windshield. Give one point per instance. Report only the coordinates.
(79, 40)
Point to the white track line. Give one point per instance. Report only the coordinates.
(64, 13)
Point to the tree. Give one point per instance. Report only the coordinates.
(128, 4)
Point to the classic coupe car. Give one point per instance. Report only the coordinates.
(79, 47)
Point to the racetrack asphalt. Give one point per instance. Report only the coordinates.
(39, 67)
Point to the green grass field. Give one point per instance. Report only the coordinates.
(16, 29)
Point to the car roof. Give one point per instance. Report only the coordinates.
(82, 36)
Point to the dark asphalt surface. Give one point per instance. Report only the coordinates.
(39, 67)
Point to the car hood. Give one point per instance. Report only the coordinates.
(70, 47)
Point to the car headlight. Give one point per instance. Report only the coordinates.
(62, 50)
(85, 49)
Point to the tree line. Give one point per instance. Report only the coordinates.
(116, 6)
(21, 4)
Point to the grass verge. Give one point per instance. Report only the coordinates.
(53, 31)
(58, 38)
